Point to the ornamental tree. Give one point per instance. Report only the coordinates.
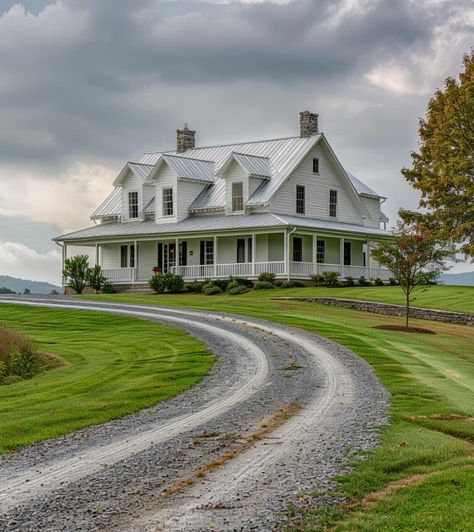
(443, 168)
(75, 272)
(95, 278)
(413, 253)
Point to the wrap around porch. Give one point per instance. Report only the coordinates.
(289, 255)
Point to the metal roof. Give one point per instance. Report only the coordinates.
(141, 171)
(362, 188)
(187, 168)
(255, 166)
(384, 217)
(150, 206)
(111, 206)
(214, 223)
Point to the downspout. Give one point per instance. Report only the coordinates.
(288, 250)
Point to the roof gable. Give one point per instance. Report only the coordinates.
(253, 165)
(140, 170)
(185, 168)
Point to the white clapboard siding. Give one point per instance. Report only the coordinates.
(317, 191)
(373, 206)
(187, 193)
(166, 178)
(131, 184)
(234, 174)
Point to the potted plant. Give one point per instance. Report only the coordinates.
(157, 270)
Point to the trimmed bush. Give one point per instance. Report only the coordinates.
(156, 284)
(298, 284)
(169, 282)
(195, 287)
(221, 283)
(393, 281)
(349, 281)
(330, 279)
(212, 290)
(233, 284)
(236, 290)
(362, 281)
(263, 285)
(378, 282)
(267, 277)
(318, 280)
(247, 283)
(108, 289)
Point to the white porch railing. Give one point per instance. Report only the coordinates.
(194, 272)
(276, 267)
(241, 269)
(120, 275)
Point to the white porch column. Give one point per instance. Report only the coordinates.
(215, 256)
(341, 256)
(135, 266)
(176, 270)
(254, 249)
(286, 253)
(315, 254)
(64, 257)
(369, 260)
(96, 254)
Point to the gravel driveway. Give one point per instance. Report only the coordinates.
(115, 475)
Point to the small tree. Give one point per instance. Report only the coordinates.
(95, 278)
(75, 272)
(414, 253)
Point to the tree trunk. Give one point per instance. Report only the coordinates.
(407, 309)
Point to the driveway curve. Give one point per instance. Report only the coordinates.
(114, 475)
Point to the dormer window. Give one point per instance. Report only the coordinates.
(168, 207)
(133, 204)
(237, 196)
(315, 165)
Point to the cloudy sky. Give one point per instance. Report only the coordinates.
(87, 84)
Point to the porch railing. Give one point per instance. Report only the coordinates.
(120, 275)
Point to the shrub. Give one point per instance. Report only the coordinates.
(107, 288)
(349, 281)
(195, 287)
(233, 284)
(362, 281)
(95, 278)
(75, 272)
(263, 285)
(297, 284)
(212, 290)
(18, 355)
(318, 280)
(330, 278)
(236, 290)
(393, 281)
(172, 283)
(378, 282)
(156, 284)
(243, 282)
(267, 277)
(222, 283)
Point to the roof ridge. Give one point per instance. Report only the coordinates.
(231, 144)
(250, 155)
(140, 164)
(188, 158)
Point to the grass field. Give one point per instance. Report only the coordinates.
(111, 366)
(421, 477)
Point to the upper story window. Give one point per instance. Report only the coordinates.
(168, 207)
(133, 204)
(333, 203)
(315, 165)
(300, 199)
(237, 196)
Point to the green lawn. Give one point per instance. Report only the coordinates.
(111, 366)
(431, 379)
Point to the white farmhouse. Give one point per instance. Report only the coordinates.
(285, 206)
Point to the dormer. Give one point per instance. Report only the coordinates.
(177, 182)
(243, 175)
(135, 193)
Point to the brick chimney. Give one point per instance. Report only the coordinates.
(308, 124)
(184, 139)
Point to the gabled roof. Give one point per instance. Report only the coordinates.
(111, 206)
(384, 217)
(185, 168)
(362, 188)
(140, 171)
(254, 165)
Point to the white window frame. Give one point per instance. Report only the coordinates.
(314, 160)
(165, 202)
(333, 204)
(134, 205)
(299, 199)
(237, 201)
(320, 251)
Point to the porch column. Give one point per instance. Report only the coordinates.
(369, 261)
(254, 248)
(176, 260)
(341, 256)
(315, 253)
(97, 254)
(135, 264)
(215, 256)
(64, 257)
(286, 268)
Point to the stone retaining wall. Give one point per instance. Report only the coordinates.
(392, 310)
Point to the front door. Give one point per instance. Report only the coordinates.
(168, 256)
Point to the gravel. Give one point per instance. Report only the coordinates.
(344, 404)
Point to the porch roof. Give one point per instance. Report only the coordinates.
(215, 223)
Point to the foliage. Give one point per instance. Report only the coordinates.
(26, 292)
(4, 290)
(349, 281)
(378, 282)
(54, 293)
(212, 290)
(263, 285)
(330, 279)
(429, 278)
(75, 272)
(393, 281)
(244, 282)
(195, 287)
(221, 283)
(169, 282)
(318, 280)
(415, 252)
(267, 277)
(362, 281)
(107, 288)
(443, 169)
(298, 284)
(236, 290)
(233, 284)
(284, 284)
(18, 355)
(95, 278)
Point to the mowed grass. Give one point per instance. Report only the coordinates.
(420, 475)
(110, 366)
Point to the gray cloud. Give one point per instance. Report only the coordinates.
(97, 83)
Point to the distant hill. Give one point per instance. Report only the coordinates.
(461, 279)
(19, 285)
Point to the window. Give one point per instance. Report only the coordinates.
(168, 209)
(241, 250)
(123, 256)
(315, 166)
(133, 204)
(249, 250)
(297, 249)
(364, 259)
(333, 203)
(183, 253)
(237, 196)
(320, 251)
(207, 252)
(300, 199)
(132, 256)
(347, 253)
